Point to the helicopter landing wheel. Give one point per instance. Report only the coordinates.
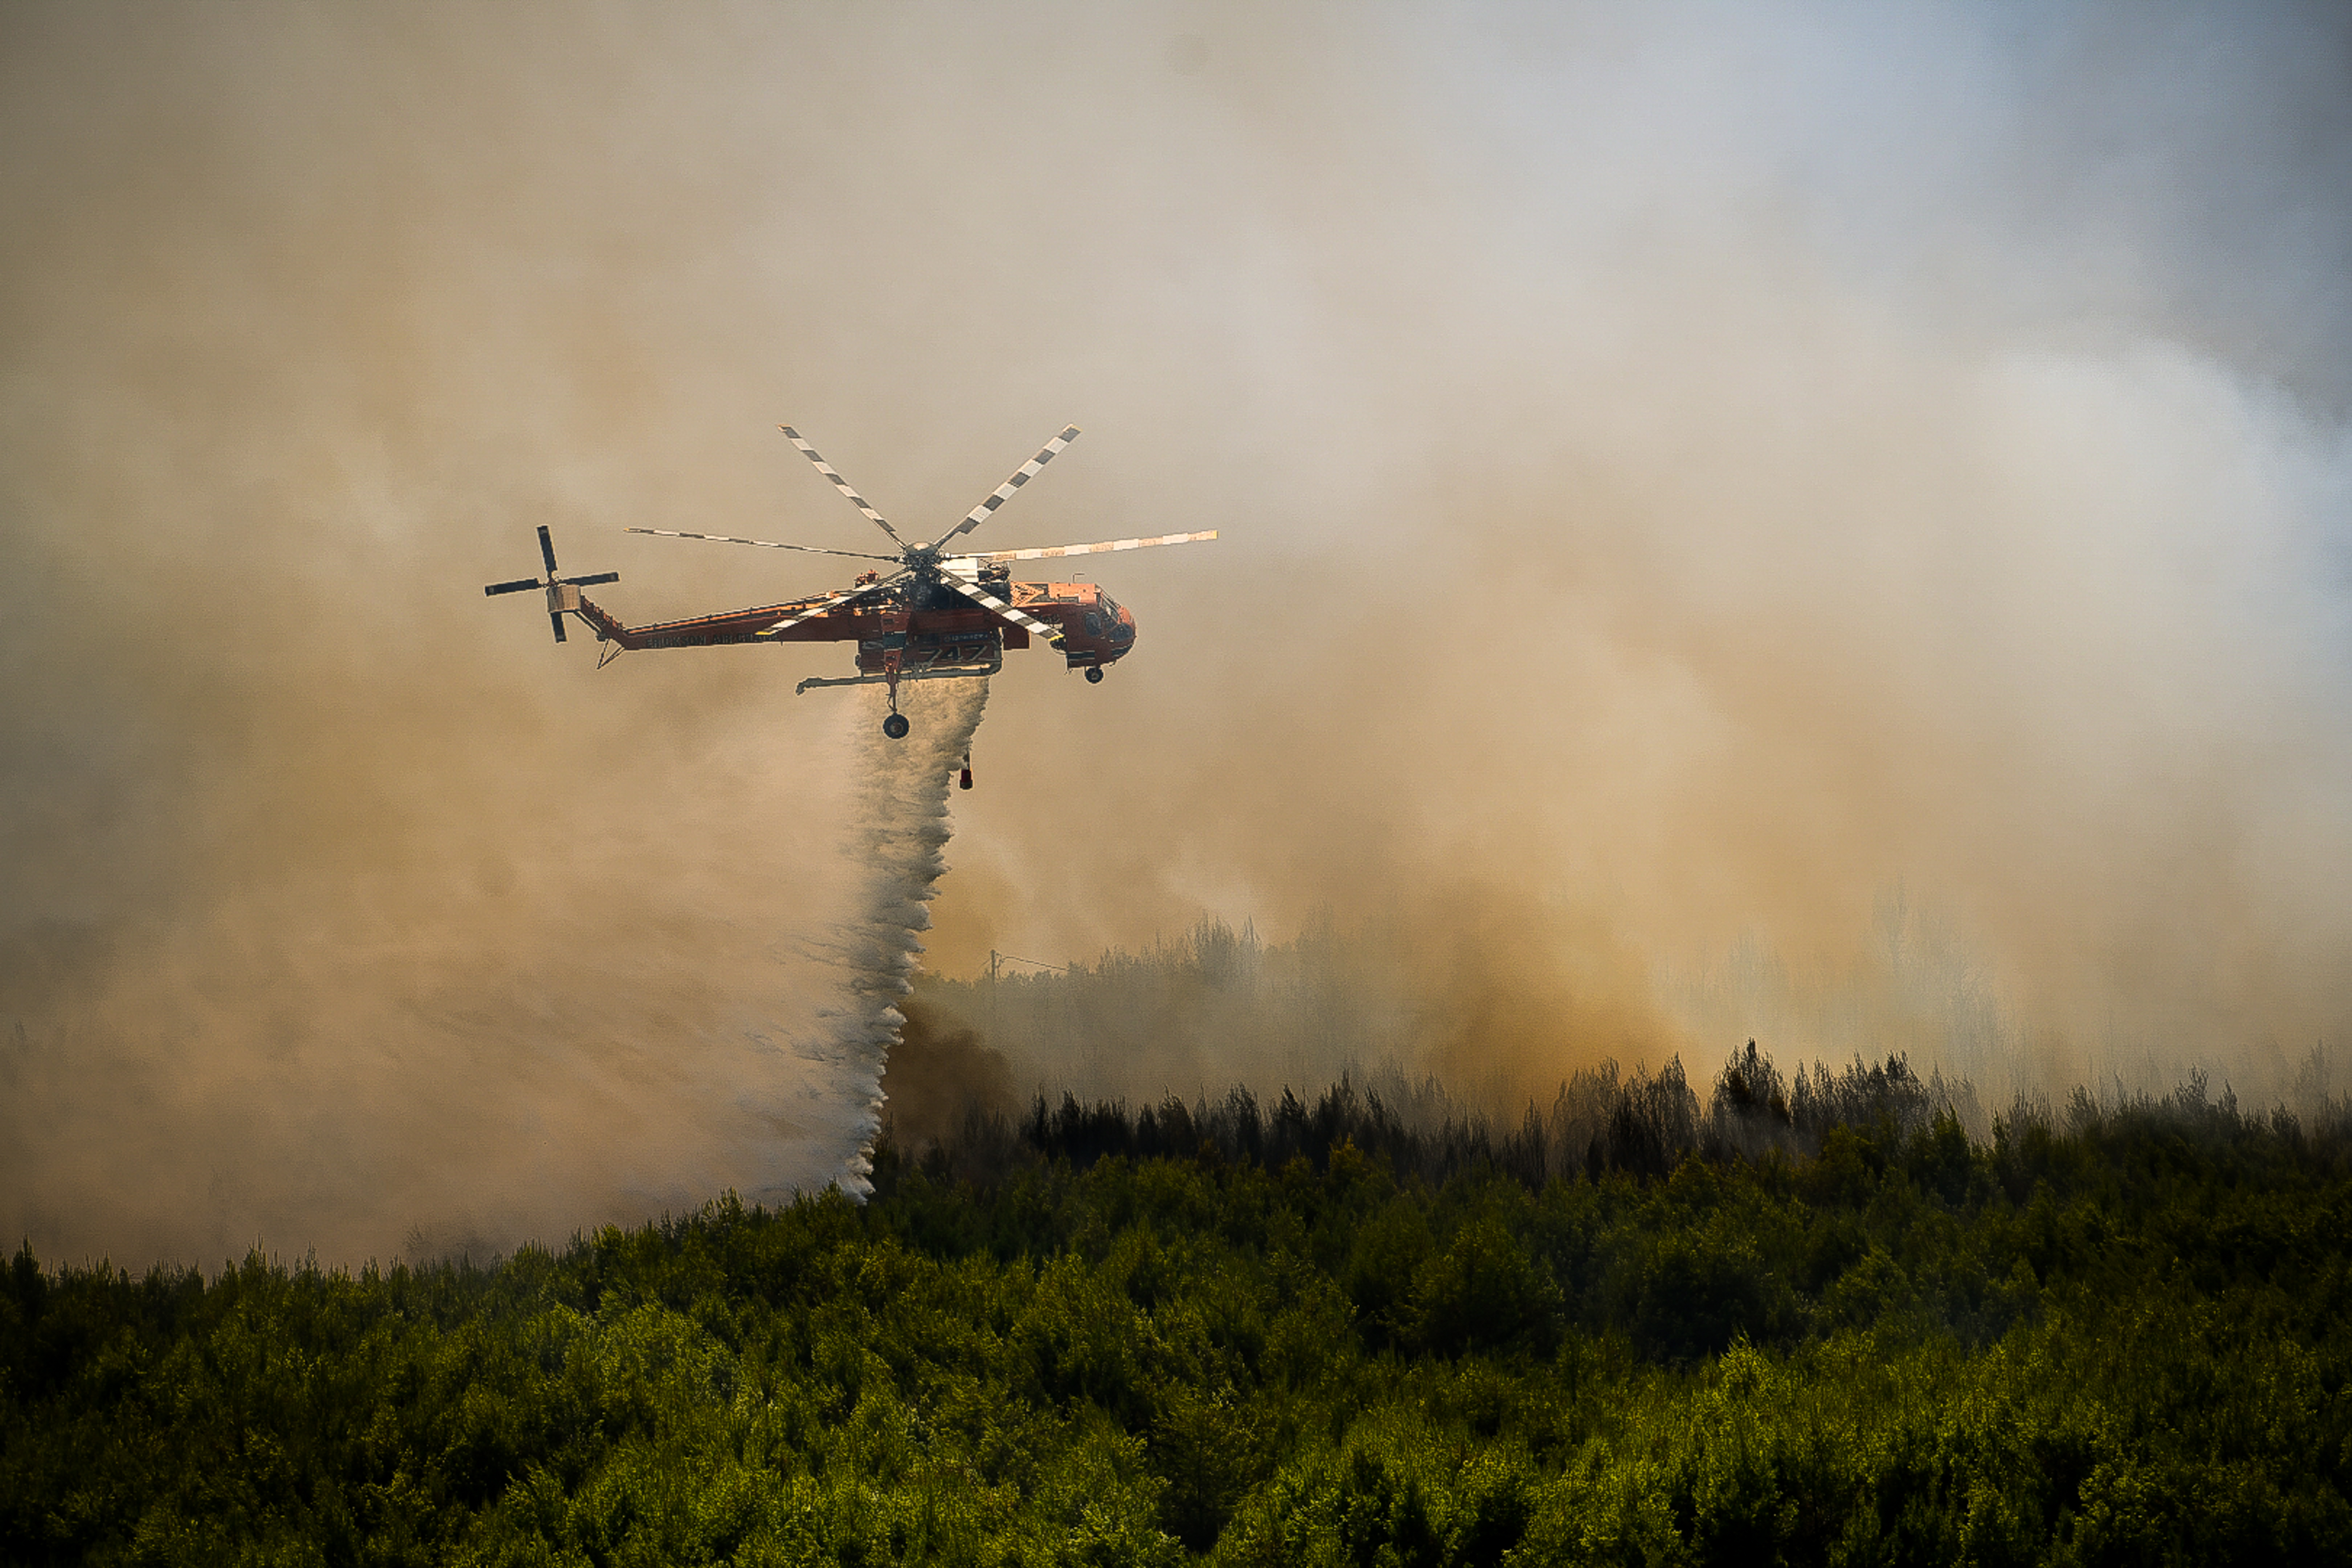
(1094, 675)
(895, 726)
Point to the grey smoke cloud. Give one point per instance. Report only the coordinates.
(1684, 472)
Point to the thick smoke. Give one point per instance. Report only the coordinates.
(1691, 480)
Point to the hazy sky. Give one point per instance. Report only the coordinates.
(1683, 470)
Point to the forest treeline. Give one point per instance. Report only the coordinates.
(1214, 1005)
(1800, 1319)
(1600, 1120)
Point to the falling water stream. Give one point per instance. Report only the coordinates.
(898, 841)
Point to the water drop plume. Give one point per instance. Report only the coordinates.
(899, 843)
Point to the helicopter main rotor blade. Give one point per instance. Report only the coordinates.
(1003, 492)
(547, 548)
(846, 596)
(763, 543)
(517, 586)
(982, 597)
(1060, 549)
(591, 582)
(842, 485)
(555, 619)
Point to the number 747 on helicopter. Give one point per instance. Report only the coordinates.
(940, 615)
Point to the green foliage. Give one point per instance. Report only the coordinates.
(2121, 1341)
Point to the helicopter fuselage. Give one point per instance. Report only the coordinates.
(925, 622)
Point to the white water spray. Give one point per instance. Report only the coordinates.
(899, 844)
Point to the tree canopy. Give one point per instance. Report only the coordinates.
(1309, 1334)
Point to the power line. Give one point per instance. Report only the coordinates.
(995, 958)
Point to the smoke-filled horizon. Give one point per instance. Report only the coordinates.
(1683, 476)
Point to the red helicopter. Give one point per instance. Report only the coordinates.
(939, 616)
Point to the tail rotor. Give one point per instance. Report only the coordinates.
(562, 593)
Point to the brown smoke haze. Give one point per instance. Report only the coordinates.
(1816, 523)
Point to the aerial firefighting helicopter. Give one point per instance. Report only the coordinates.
(939, 616)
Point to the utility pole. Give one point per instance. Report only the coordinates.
(996, 962)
